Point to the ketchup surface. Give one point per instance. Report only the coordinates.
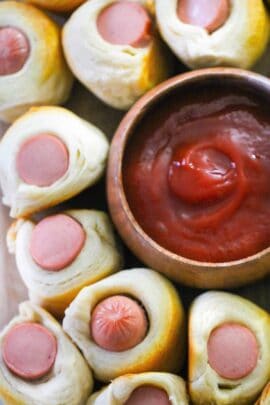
(197, 174)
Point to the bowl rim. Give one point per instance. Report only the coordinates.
(129, 123)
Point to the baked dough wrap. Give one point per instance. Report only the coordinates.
(117, 74)
(69, 382)
(208, 311)
(239, 42)
(45, 77)
(56, 5)
(121, 388)
(98, 258)
(163, 347)
(87, 147)
(265, 397)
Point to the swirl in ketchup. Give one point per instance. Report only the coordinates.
(196, 175)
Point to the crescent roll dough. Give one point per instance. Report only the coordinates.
(119, 391)
(209, 311)
(239, 42)
(265, 397)
(163, 347)
(57, 5)
(45, 77)
(117, 74)
(87, 148)
(98, 258)
(68, 383)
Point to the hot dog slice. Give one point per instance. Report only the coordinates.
(56, 241)
(118, 323)
(42, 160)
(148, 395)
(232, 351)
(14, 50)
(125, 23)
(29, 350)
(210, 15)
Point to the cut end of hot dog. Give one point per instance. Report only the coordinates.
(14, 50)
(210, 15)
(42, 160)
(232, 351)
(148, 395)
(125, 23)
(56, 241)
(118, 323)
(29, 350)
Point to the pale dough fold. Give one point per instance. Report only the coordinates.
(265, 397)
(121, 388)
(56, 5)
(98, 258)
(87, 147)
(69, 383)
(239, 42)
(163, 347)
(207, 312)
(45, 77)
(117, 74)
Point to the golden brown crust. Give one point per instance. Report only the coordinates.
(265, 397)
(45, 77)
(121, 388)
(69, 382)
(207, 312)
(163, 348)
(99, 257)
(240, 42)
(57, 5)
(117, 74)
(87, 147)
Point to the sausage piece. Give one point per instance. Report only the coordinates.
(148, 395)
(118, 323)
(14, 50)
(29, 350)
(125, 23)
(56, 241)
(232, 351)
(42, 160)
(207, 14)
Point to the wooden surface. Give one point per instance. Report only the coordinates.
(12, 290)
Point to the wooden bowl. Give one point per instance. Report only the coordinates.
(180, 269)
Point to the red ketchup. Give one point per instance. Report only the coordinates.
(196, 175)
